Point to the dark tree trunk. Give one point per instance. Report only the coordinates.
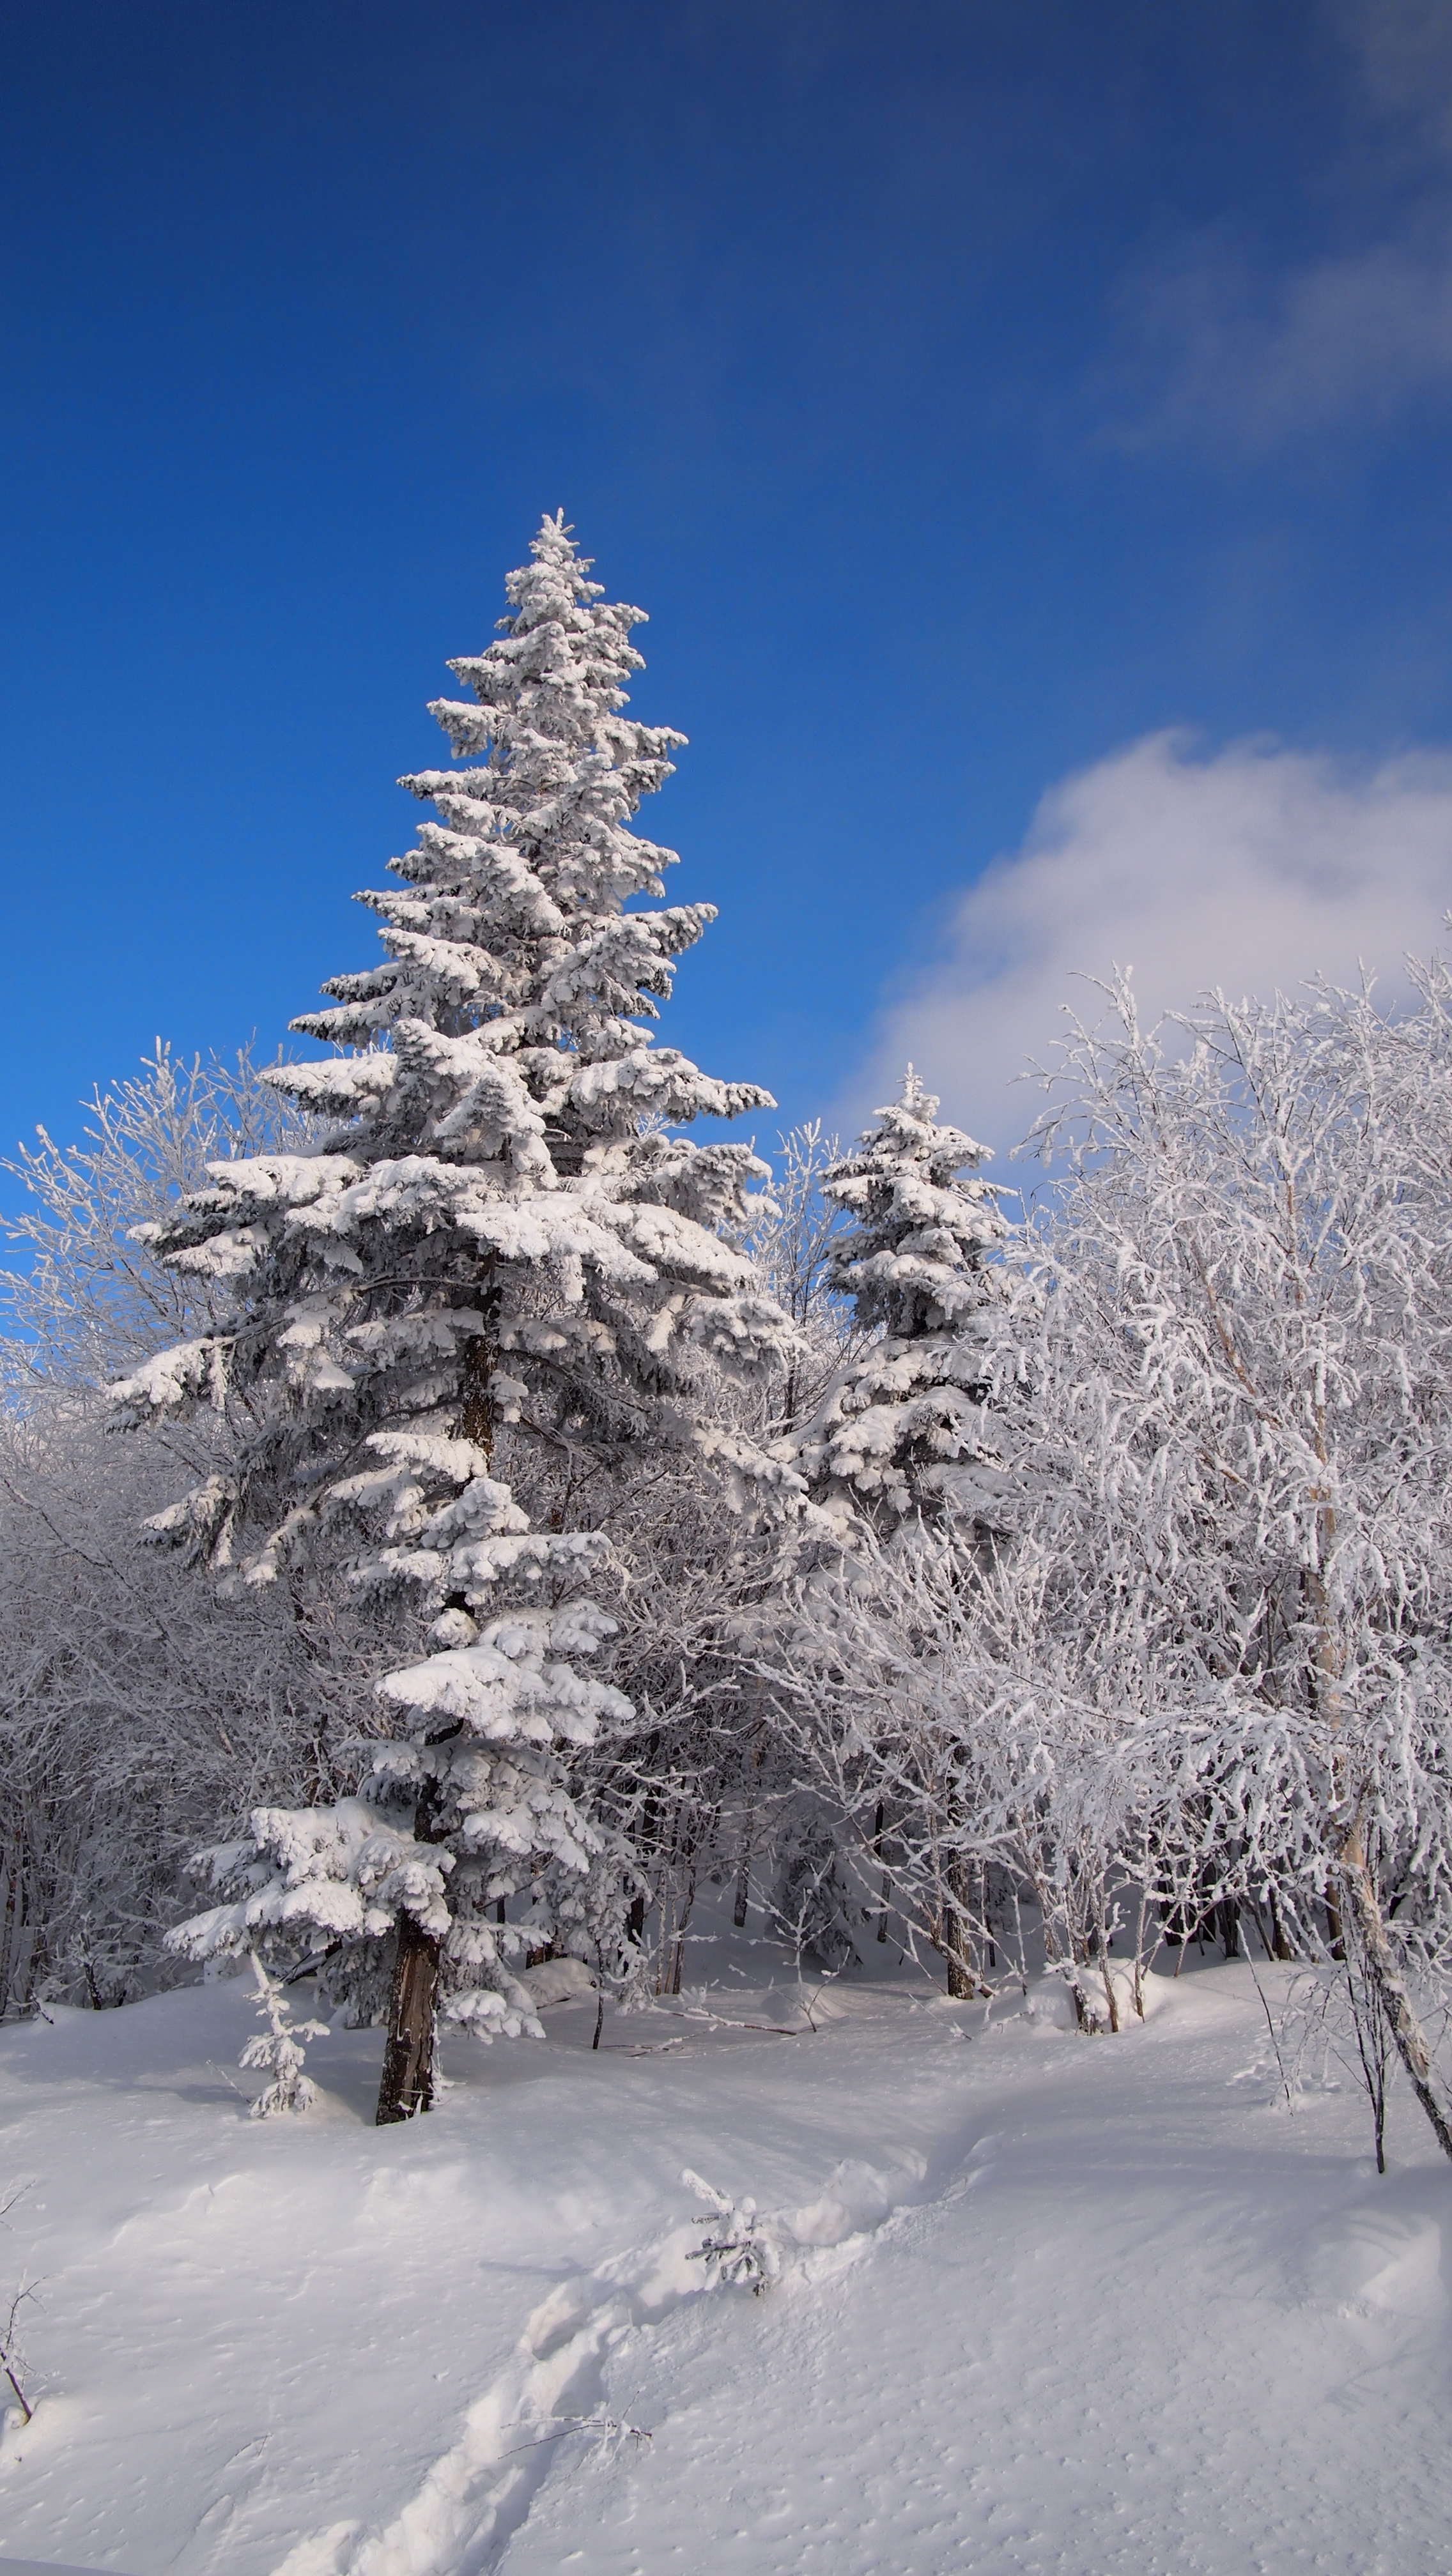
(407, 2084)
(476, 1413)
(748, 1833)
(743, 1883)
(408, 2060)
(646, 1841)
(10, 1923)
(957, 1937)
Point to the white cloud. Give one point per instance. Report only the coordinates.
(1403, 51)
(1217, 344)
(1249, 868)
(1209, 352)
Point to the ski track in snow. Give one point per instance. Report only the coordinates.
(1059, 2307)
(476, 2496)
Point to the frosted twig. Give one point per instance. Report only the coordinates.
(607, 2425)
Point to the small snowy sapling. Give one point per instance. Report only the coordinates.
(12, 2359)
(733, 2249)
(280, 2049)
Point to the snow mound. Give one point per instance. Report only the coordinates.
(557, 1981)
(1386, 2259)
(1051, 2004)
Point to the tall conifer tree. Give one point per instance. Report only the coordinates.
(501, 1235)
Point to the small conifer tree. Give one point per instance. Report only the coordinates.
(905, 1426)
(906, 1436)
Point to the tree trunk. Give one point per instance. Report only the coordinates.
(476, 1413)
(678, 1949)
(743, 1880)
(748, 1833)
(11, 1921)
(645, 1842)
(1378, 1957)
(406, 2086)
(408, 2060)
(962, 1985)
(957, 1937)
(1389, 1986)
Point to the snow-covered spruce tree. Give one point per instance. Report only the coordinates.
(905, 1426)
(499, 1244)
(908, 1445)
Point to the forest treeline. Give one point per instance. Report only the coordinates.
(451, 1515)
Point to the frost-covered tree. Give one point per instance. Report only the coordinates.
(1005, 1756)
(905, 1425)
(90, 1297)
(907, 1432)
(501, 1245)
(1205, 1670)
(792, 1243)
(1243, 1419)
(280, 2049)
(136, 1711)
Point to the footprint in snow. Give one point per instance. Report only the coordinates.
(552, 2390)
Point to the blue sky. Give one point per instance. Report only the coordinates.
(990, 405)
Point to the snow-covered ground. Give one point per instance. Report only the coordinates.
(1046, 2302)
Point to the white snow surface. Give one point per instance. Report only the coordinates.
(1046, 2302)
